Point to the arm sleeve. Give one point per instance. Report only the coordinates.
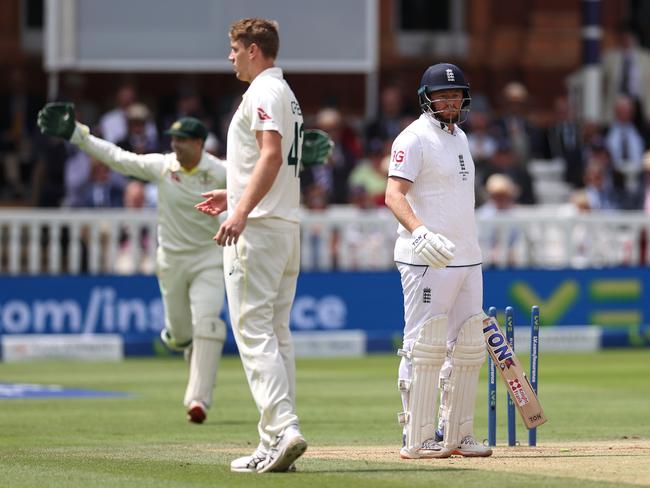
(148, 167)
(406, 156)
(267, 110)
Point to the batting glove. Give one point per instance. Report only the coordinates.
(57, 119)
(317, 146)
(435, 249)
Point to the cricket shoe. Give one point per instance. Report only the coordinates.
(196, 412)
(469, 447)
(284, 451)
(430, 449)
(249, 464)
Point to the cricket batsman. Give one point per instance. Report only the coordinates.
(431, 192)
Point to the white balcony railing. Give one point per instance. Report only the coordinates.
(54, 241)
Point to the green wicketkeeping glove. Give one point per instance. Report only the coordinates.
(316, 147)
(57, 119)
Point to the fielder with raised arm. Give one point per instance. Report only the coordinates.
(262, 237)
(431, 192)
(189, 266)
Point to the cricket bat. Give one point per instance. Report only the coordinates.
(508, 365)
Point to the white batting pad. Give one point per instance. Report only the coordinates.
(426, 355)
(460, 388)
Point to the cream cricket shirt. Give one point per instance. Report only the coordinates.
(268, 104)
(440, 166)
(181, 228)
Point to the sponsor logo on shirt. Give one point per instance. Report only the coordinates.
(398, 157)
(426, 295)
(463, 169)
(262, 114)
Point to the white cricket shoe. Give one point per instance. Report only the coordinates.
(248, 464)
(284, 451)
(430, 449)
(196, 412)
(469, 447)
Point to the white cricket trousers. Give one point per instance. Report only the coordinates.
(261, 272)
(192, 289)
(454, 292)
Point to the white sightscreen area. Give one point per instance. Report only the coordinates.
(172, 35)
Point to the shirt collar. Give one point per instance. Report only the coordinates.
(273, 72)
(439, 125)
(194, 170)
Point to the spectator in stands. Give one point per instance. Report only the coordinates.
(505, 161)
(18, 110)
(515, 125)
(392, 114)
(77, 176)
(137, 140)
(592, 138)
(562, 141)
(333, 176)
(581, 236)
(625, 144)
(133, 255)
(502, 198)
(105, 187)
(367, 182)
(482, 145)
(626, 71)
(114, 125)
(481, 139)
(597, 189)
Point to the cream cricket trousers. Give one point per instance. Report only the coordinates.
(260, 272)
(192, 289)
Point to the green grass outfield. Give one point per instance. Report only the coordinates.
(348, 412)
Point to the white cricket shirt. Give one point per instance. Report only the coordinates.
(440, 166)
(181, 227)
(268, 104)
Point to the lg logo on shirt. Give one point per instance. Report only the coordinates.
(398, 157)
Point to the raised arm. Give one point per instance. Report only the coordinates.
(58, 120)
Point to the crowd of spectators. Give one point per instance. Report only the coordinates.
(607, 162)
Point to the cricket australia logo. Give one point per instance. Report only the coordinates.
(463, 169)
(450, 75)
(426, 295)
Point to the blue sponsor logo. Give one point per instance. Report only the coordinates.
(497, 342)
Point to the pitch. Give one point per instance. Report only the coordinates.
(597, 433)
